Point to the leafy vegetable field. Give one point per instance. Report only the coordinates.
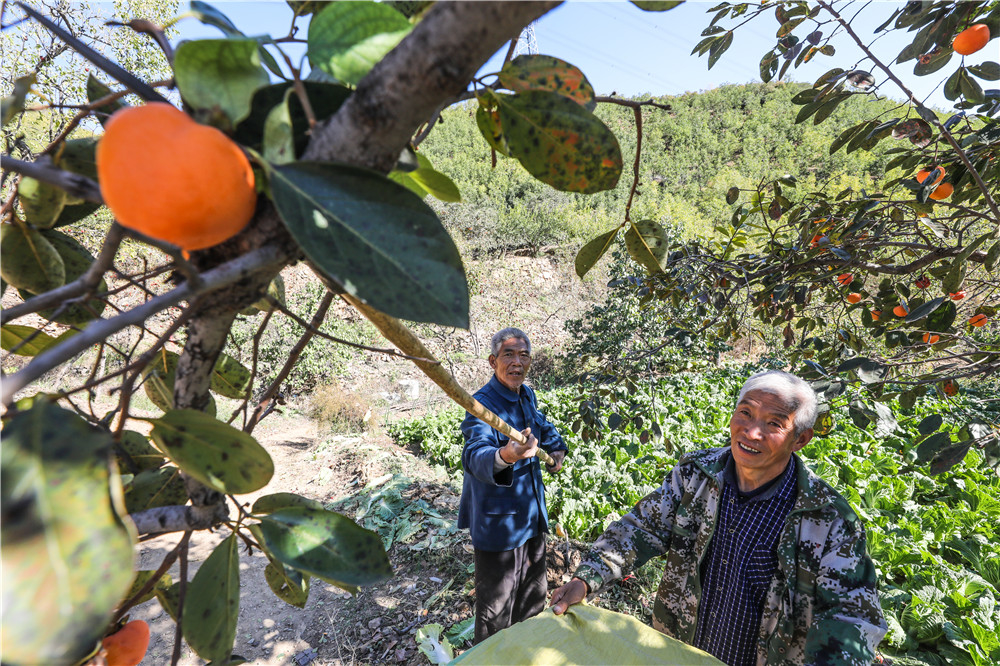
(934, 537)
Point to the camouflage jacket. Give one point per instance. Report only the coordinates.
(822, 606)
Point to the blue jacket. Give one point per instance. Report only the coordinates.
(503, 511)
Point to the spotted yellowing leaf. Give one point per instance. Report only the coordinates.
(542, 72)
(559, 142)
(646, 242)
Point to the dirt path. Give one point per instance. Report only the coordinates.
(416, 507)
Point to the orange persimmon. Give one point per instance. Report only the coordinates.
(172, 179)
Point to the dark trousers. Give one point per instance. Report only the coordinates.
(510, 586)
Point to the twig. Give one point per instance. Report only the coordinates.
(293, 356)
(223, 275)
(176, 656)
(168, 561)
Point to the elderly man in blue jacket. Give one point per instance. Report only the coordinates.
(503, 498)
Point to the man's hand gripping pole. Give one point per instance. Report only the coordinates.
(398, 334)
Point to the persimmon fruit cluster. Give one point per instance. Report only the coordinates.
(173, 179)
(128, 645)
(971, 39)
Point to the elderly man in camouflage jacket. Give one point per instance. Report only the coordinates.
(765, 562)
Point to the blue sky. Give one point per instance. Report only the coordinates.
(625, 50)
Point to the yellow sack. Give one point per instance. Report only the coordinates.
(583, 635)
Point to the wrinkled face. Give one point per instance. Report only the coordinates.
(762, 436)
(511, 363)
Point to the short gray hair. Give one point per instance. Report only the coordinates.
(506, 334)
(795, 391)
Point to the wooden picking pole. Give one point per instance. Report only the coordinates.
(398, 334)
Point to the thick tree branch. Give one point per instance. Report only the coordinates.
(433, 64)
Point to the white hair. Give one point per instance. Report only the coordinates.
(795, 391)
(506, 334)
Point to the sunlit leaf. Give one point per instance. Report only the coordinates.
(326, 545)
(646, 242)
(215, 453)
(592, 252)
(346, 39)
(219, 75)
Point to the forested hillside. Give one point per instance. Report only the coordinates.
(692, 153)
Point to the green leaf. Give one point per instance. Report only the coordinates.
(219, 75)
(542, 72)
(78, 156)
(930, 63)
(925, 309)
(424, 180)
(949, 456)
(289, 585)
(158, 379)
(212, 603)
(374, 237)
(143, 577)
(97, 89)
(732, 194)
(971, 90)
(209, 15)
(28, 261)
(656, 5)
(142, 453)
(155, 487)
(279, 143)
(646, 242)
(719, 47)
(65, 557)
(592, 252)
(170, 599)
(885, 420)
(346, 39)
(13, 104)
(12, 335)
(276, 290)
(230, 378)
(942, 318)
(76, 261)
(559, 142)
(42, 203)
(326, 545)
(930, 424)
(215, 453)
(987, 71)
(276, 501)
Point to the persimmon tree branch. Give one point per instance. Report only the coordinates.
(179, 518)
